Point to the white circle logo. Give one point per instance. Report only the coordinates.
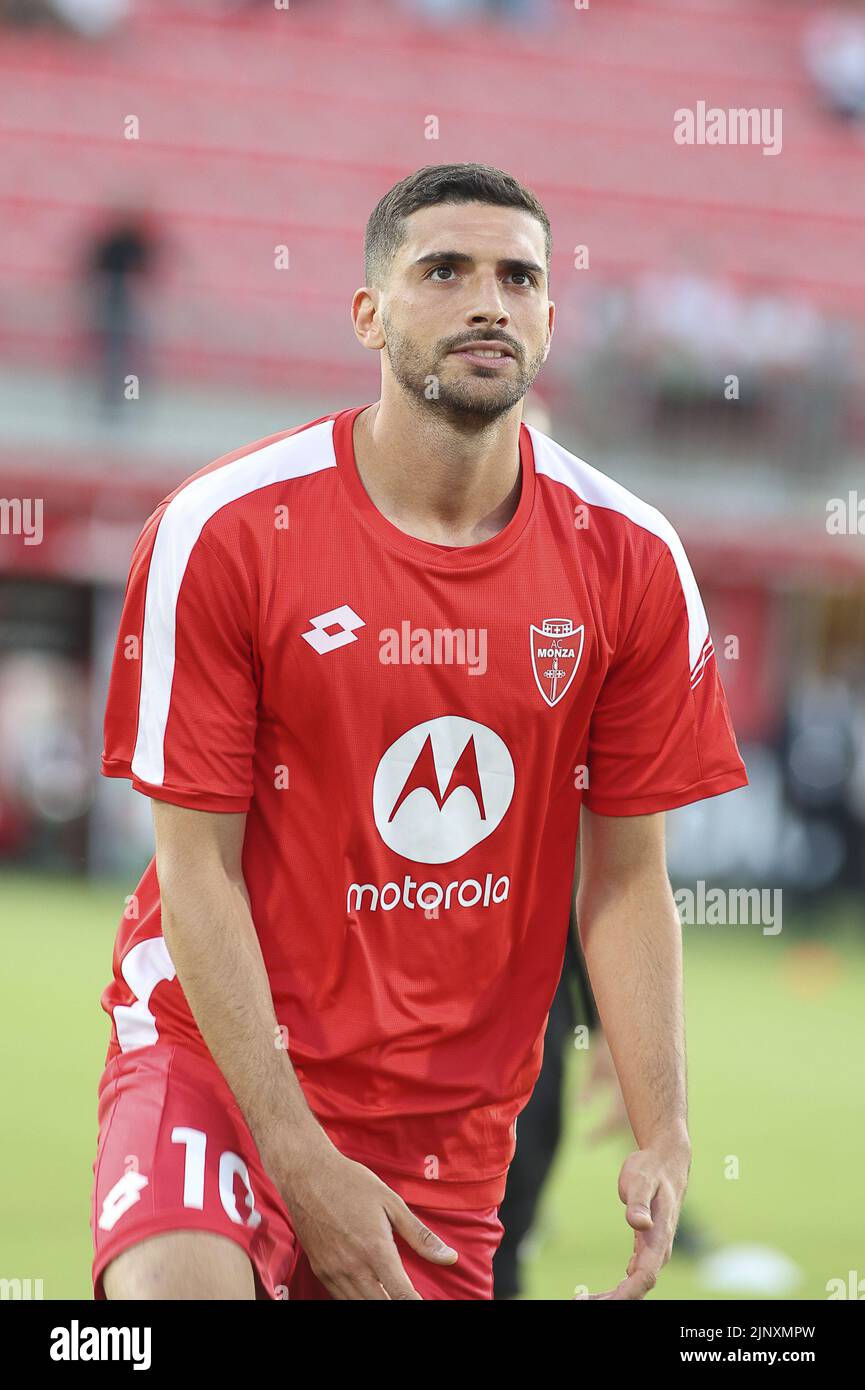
(441, 788)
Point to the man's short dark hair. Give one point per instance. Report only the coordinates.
(432, 185)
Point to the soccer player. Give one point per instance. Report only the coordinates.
(375, 673)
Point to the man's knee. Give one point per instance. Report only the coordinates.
(181, 1265)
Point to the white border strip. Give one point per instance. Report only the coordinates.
(180, 526)
(598, 490)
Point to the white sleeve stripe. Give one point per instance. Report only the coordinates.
(700, 668)
(595, 488)
(180, 526)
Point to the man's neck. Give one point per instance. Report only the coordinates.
(433, 480)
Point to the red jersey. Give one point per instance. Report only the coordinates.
(411, 729)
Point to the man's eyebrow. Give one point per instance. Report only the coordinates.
(462, 258)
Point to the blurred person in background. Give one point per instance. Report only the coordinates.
(540, 1124)
(513, 11)
(823, 763)
(91, 19)
(664, 346)
(118, 263)
(27, 14)
(45, 783)
(834, 52)
(541, 1128)
(687, 322)
(659, 346)
(798, 362)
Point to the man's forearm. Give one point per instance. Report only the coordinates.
(212, 941)
(631, 939)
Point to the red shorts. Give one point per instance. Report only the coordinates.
(175, 1154)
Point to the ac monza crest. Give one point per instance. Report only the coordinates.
(557, 647)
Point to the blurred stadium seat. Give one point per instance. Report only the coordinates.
(261, 129)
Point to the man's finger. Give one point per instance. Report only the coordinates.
(361, 1286)
(378, 1275)
(636, 1286)
(647, 1260)
(421, 1239)
(350, 1288)
(387, 1267)
(637, 1192)
(370, 1290)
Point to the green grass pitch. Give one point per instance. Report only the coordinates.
(776, 1073)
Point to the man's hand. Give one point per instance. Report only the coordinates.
(344, 1217)
(652, 1186)
(632, 942)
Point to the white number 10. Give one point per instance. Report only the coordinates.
(230, 1165)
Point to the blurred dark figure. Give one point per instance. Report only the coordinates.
(540, 1125)
(117, 264)
(475, 11)
(824, 763)
(27, 14)
(668, 351)
(89, 18)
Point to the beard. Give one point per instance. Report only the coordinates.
(472, 399)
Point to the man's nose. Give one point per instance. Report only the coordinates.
(488, 306)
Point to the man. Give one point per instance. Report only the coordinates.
(368, 670)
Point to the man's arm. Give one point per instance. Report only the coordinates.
(342, 1212)
(631, 938)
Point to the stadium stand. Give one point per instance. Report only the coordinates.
(284, 127)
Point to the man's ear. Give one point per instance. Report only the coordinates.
(366, 319)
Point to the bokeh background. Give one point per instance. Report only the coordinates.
(183, 193)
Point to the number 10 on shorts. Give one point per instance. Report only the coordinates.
(231, 1165)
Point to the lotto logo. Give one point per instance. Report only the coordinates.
(343, 618)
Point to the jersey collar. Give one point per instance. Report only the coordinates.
(428, 552)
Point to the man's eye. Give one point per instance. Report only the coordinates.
(450, 271)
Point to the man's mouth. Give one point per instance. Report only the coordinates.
(484, 353)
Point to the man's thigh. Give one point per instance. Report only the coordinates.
(180, 1265)
(475, 1235)
(176, 1158)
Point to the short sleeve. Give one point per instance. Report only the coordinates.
(660, 734)
(180, 718)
